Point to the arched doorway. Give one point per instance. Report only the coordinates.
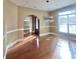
(31, 25)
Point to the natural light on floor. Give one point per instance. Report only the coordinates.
(63, 51)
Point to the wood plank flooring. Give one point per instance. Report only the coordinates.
(29, 50)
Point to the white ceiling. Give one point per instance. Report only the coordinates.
(43, 5)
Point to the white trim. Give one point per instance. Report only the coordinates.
(47, 26)
(48, 34)
(53, 33)
(43, 34)
(52, 26)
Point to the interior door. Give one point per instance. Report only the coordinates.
(35, 25)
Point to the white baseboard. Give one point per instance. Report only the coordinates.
(44, 34)
(53, 33)
(48, 34)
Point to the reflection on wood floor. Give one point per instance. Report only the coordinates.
(50, 47)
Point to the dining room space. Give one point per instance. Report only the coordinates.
(39, 29)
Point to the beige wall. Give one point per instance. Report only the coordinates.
(10, 20)
(53, 25)
(14, 18)
(24, 12)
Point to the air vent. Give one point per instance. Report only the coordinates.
(48, 17)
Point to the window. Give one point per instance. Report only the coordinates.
(63, 24)
(67, 22)
(72, 24)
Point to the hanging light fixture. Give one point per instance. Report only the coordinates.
(47, 1)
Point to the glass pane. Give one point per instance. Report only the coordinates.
(62, 21)
(72, 29)
(63, 28)
(72, 19)
(72, 24)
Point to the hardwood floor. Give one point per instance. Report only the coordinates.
(29, 50)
